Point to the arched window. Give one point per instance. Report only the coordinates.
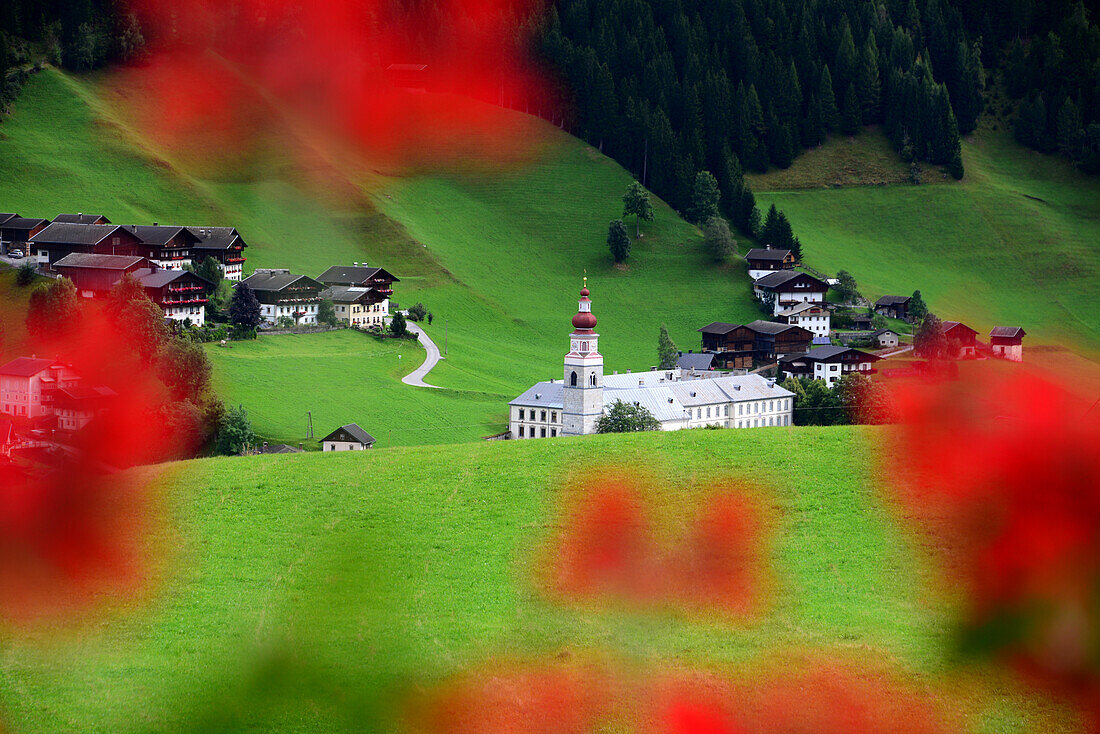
(592, 379)
(573, 380)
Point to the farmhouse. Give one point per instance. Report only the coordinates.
(347, 438)
(169, 248)
(961, 339)
(61, 239)
(282, 293)
(765, 260)
(225, 245)
(785, 288)
(809, 316)
(181, 294)
(76, 406)
(862, 322)
(356, 306)
(677, 399)
(359, 275)
(81, 218)
(1007, 342)
(885, 338)
(744, 346)
(894, 307)
(828, 363)
(28, 386)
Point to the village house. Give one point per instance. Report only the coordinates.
(810, 316)
(16, 231)
(884, 338)
(81, 218)
(28, 386)
(862, 322)
(764, 260)
(677, 399)
(61, 239)
(785, 288)
(347, 438)
(181, 294)
(225, 245)
(961, 339)
(283, 293)
(76, 406)
(893, 307)
(357, 307)
(828, 363)
(279, 448)
(360, 275)
(745, 346)
(1007, 342)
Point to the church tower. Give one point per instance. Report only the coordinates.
(582, 401)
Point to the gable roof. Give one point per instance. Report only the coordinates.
(26, 366)
(17, 222)
(952, 325)
(765, 253)
(892, 300)
(91, 260)
(157, 278)
(354, 431)
(217, 238)
(354, 274)
(880, 332)
(160, 235)
(799, 308)
(1007, 331)
(718, 327)
(6, 217)
(345, 293)
(695, 361)
(275, 280)
(81, 219)
(66, 233)
(782, 277)
(280, 448)
(771, 327)
(826, 354)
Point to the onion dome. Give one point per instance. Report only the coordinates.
(585, 319)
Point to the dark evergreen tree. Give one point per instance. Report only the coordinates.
(244, 308)
(830, 114)
(851, 116)
(705, 198)
(618, 241)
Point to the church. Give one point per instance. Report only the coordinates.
(676, 398)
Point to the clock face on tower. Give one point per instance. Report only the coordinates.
(575, 346)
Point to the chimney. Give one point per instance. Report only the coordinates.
(156, 224)
(641, 383)
(301, 447)
(628, 371)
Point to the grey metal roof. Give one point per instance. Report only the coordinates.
(159, 278)
(542, 395)
(770, 327)
(344, 293)
(778, 278)
(352, 274)
(280, 448)
(216, 238)
(160, 235)
(274, 280)
(80, 218)
(718, 327)
(63, 233)
(92, 260)
(6, 217)
(1007, 331)
(762, 253)
(824, 354)
(23, 223)
(353, 430)
(695, 361)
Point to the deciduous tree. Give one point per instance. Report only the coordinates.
(618, 240)
(626, 418)
(636, 202)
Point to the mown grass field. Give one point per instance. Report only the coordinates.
(315, 592)
(1014, 243)
(346, 377)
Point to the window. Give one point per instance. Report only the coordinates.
(543, 433)
(592, 380)
(553, 432)
(553, 416)
(698, 413)
(521, 413)
(543, 416)
(740, 409)
(771, 421)
(727, 411)
(708, 411)
(771, 405)
(573, 380)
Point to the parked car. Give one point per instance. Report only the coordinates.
(16, 254)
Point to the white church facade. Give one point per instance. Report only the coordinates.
(676, 398)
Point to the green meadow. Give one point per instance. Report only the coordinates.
(1015, 243)
(316, 592)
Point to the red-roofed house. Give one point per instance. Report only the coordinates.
(961, 339)
(1007, 342)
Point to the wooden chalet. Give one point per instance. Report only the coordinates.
(863, 322)
(786, 288)
(225, 245)
(17, 231)
(894, 307)
(361, 276)
(81, 218)
(94, 275)
(745, 346)
(765, 260)
(283, 293)
(828, 363)
(167, 247)
(60, 239)
(961, 339)
(1007, 342)
(347, 438)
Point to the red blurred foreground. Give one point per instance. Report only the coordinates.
(338, 73)
(609, 551)
(71, 529)
(1004, 475)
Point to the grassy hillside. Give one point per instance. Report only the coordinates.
(1013, 243)
(299, 587)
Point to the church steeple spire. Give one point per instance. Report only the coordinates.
(582, 397)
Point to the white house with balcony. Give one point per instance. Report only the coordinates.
(786, 288)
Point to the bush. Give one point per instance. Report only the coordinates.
(418, 312)
(235, 434)
(397, 326)
(25, 275)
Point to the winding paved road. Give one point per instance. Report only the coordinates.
(416, 377)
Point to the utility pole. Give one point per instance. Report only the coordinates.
(444, 337)
(645, 161)
(309, 427)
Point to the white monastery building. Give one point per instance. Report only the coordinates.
(676, 398)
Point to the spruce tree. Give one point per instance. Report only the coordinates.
(917, 308)
(244, 308)
(851, 117)
(666, 350)
(869, 86)
(830, 115)
(618, 240)
(1071, 133)
(705, 198)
